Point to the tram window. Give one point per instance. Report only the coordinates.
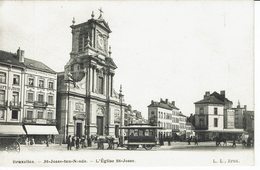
(151, 132)
(146, 133)
(141, 132)
(131, 132)
(136, 132)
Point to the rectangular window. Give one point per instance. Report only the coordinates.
(50, 85)
(215, 122)
(29, 114)
(201, 110)
(40, 115)
(2, 114)
(50, 100)
(15, 114)
(41, 83)
(2, 97)
(40, 98)
(100, 85)
(215, 111)
(30, 96)
(50, 115)
(16, 80)
(15, 98)
(2, 77)
(31, 81)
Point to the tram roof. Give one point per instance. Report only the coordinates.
(140, 127)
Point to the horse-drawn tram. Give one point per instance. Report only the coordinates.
(140, 135)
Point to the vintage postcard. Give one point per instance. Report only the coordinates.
(127, 83)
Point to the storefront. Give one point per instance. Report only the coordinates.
(39, 134)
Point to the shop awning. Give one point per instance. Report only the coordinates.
(11, 130)
(40, 130)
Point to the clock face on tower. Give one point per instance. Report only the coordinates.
(100, 41)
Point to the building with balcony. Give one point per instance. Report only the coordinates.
(40, 87)
(27, 95)
(12, 73)
(87, 102)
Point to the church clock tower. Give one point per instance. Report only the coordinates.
(92, 106)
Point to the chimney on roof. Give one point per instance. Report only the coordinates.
(207, 94)
(20, 55)
(166, 100)
(173, 103)
(161, 100)
(152, 102)
(223, 93)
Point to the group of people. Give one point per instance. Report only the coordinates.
(29, 141)
(77, 142)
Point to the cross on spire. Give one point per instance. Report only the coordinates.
(100, 13)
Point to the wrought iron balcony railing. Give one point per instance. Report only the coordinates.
(39, 121)
(38, 104)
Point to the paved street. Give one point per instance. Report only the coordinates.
(174, 146)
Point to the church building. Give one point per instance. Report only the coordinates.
(87, 103)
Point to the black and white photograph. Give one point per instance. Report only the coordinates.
(127, 83)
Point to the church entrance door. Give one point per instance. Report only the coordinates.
(99, 125)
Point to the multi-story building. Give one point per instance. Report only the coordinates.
(182, 125)
(87, 102)
(209, 117)
(239, 116)
(249, 122)
(11, 93)
(28, 95)
(229, 119)
(40, 89)
(161, 114)
(175, 120)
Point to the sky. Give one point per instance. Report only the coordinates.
(168, 49)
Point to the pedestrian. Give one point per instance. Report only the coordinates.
(69, 142)
(26, 141)
(77, 142)
(73, 141)
(234, 143)
(47, 141)
(82, 141)
(169, 141)
(196, 141)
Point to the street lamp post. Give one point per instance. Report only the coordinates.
(121, 139)
(67, 81)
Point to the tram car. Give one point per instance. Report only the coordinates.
(140, 136)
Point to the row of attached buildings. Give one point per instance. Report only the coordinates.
(214, 117)
(80, 101)
(166, 115)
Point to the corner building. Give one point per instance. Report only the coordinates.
(87, 103)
